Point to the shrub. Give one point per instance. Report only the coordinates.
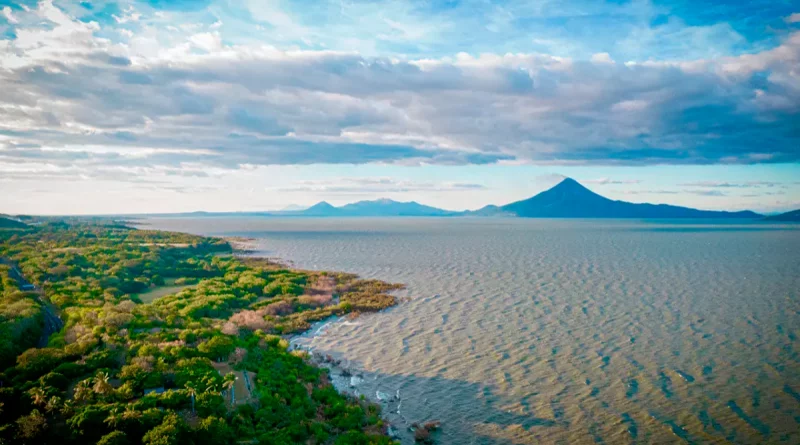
(282, 307)
(114, 438)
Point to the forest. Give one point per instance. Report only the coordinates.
(87, 357)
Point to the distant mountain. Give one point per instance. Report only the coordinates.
(380, 207)
(490, 210)
(569, 199)
(793, 216)
(293, 208)
(7, 223)
(318, 209)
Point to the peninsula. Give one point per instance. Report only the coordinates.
(205, 362)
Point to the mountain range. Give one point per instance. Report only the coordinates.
(568, 199)
(378, 207)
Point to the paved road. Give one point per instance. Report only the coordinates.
(52, 323)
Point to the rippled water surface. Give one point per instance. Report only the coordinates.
(565, 331)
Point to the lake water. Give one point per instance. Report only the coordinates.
(565, 331)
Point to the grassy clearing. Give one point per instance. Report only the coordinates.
(168, 288)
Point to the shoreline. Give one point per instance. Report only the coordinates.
(344, 379)
(348, 381)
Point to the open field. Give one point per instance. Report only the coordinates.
(168, 288)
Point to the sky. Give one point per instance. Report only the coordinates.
(179, 105)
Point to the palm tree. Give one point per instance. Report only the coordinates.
(131, 413)
(210, 384)
(101, 385)
(192, 393)
(228, 383)
(67, 408)
(38, 396)
(53, 404)
(161, 364)
(83, 390)
(113, 418)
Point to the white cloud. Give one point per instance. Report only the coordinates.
(9, 15)
(747, 184)
(630, 105)
(607, 181)
(208, 41)
(602, 58)
(373, 186)
(648, 192)
(793, 18)
(130, 15)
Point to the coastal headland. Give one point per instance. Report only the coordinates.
(208, 360)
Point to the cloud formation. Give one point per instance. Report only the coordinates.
(706, 192)
(607, 181)
(375, 185)
(747, 184)
(648, 192)
(85, 98)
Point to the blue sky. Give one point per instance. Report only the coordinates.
(249, 105)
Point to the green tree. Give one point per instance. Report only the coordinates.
(171, 431)
(30, 427)
(218, 347)
(214, 431)
(114, 438)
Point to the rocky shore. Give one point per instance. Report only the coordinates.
(349, 380)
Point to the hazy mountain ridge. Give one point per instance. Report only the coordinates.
(379, 207)
(8, 223)
(791, 216)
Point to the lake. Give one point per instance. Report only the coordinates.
(564, 331)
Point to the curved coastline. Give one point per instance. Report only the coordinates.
(344, 378)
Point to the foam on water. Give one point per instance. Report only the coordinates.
(564, 331)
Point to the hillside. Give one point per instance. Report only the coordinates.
(7, 223)
(792, 216)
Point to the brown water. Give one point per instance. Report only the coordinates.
(565, 331)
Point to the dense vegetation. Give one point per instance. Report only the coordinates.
(207, 365)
